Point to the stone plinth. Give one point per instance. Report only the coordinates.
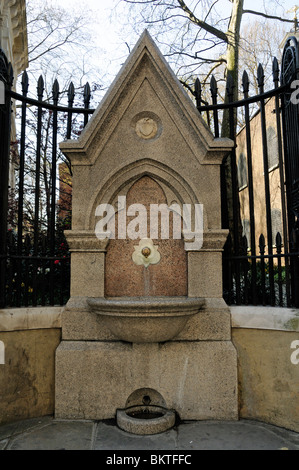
(197, 379)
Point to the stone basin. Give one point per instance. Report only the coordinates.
(145, 319)
(144, 420)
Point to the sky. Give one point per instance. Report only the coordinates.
(108, 30)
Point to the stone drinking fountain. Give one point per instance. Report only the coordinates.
(146, 334)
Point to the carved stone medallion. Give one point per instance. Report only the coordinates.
(146, 128)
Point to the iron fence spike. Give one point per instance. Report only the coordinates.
(86, 95)
(245, 82)
(55, 91)
(275, 70)
(10, 73)
(260, 76)
(213, 85)
(197, 86)
(25, 83)
(40, 88)
(278, 240)
(71, 93)
(262, 242)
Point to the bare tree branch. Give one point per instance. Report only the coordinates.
(202, 24)
(265, 15)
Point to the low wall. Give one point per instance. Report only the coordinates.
(28, 340)
(267, 341)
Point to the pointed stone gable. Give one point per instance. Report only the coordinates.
(145, 125)
(146, 93)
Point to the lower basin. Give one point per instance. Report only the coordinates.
(145, 319)
(144, 420)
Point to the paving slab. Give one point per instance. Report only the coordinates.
(19, 427)
(50, 434)
(236, 435)
(110, 437)
(57, 435)
(3, 444)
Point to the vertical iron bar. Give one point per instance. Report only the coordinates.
(198, 94)
(245, 83)
(228, 273)
(245, 269)
(11, 271)
(62, 276)
(86, 95)
(25, 85)
(279, 250)
(43, 269)
(260, 77)
(295, 258)
(214, 102)
(275, 70)
(53, 192)
(27, 246)
(40, 91)
(262, 247)
(71, 96)
(235, 192)
(290, 72)
(287, 156)
(5, 129)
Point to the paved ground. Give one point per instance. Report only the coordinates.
(49, 434)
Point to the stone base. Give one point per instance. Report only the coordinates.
(196, 379)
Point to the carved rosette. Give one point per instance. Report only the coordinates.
(146, 253)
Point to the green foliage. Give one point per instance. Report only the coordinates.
(258, 285)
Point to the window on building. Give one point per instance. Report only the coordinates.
(242, 171)
(272, 144)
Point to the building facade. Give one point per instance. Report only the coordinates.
(13, 33)
(13, 42)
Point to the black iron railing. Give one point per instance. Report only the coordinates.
(260, 260)
(34, 256)
(258, 268)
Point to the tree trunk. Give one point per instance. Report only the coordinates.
(232, 56)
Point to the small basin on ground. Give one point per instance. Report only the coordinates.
(144, 420)
(145, 319)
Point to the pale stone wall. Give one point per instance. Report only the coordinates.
(13, 33)
(14, 43)
(29, 338)
(266, 339)
(258, 174)
(267, 342)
